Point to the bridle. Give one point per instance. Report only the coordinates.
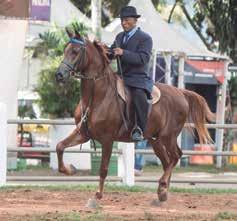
(73, 72)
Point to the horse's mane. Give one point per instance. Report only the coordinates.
(101, 48)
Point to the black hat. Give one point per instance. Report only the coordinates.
(129, 11)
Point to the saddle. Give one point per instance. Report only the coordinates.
(122, 91)
(129, 115)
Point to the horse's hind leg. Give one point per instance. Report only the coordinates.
(73, 139)
(174, 154)
(104, 165)
(162, 154)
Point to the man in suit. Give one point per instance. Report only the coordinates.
(133, 48)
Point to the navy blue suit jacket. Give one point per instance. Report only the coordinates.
(135, 59)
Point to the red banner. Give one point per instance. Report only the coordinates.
(211, 67)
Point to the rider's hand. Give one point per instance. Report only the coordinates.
(118, 51)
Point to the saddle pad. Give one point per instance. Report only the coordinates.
(121, 91)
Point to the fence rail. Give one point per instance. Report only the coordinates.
(72, 122)
(147, 152)
(125, 155)
(113, 179)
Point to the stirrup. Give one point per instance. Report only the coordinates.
(137, 134)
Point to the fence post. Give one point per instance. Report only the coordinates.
(221, 116)
(3, 144)
(126, 163)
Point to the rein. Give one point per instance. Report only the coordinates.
(79, 75)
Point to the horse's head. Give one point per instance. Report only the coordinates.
(74, 57)
(82, 59)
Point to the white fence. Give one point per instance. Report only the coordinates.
(125, 151)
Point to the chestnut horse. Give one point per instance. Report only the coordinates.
(99, 107)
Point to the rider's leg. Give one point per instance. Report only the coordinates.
(141, 105)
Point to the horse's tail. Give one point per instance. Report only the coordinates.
(199, 112)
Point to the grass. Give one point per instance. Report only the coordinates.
(101, 216)
(116, 188)
(75, 216)
(151, 168)
(225, 216)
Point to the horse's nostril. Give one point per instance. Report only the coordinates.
(59, 77)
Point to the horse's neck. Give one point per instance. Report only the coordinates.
(96, 89)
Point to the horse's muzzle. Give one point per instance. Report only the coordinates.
(59, 77)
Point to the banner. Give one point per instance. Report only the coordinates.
(216, 68)
(40, 10)
(14, 8)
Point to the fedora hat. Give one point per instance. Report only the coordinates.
(129, 11)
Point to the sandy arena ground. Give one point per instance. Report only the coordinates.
(25, 204)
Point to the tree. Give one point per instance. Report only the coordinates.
(215, 21)
(56, 101)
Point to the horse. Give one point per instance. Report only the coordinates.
(98, 114)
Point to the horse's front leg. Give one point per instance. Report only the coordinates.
(73, 139)
(104, 165)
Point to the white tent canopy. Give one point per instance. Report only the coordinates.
(165, 38)
(63, 11)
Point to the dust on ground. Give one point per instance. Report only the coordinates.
(25, 204)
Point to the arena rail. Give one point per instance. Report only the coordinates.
(72, 122)
(125, 153)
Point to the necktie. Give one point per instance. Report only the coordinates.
(125, 39)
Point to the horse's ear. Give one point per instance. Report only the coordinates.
(78, 35)
(69, 32)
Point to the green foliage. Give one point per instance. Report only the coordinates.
(233, 87)
(56, 101)
(26, 111)
(225, 216)
(216, 17)
(79, 27)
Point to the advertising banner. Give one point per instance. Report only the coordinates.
(40, 10)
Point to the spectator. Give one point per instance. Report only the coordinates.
(139, 159)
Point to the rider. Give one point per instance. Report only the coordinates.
(133, 48)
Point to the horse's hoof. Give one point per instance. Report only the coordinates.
(163, 196)
(72, 170)
(68, 170)
(98, 195)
